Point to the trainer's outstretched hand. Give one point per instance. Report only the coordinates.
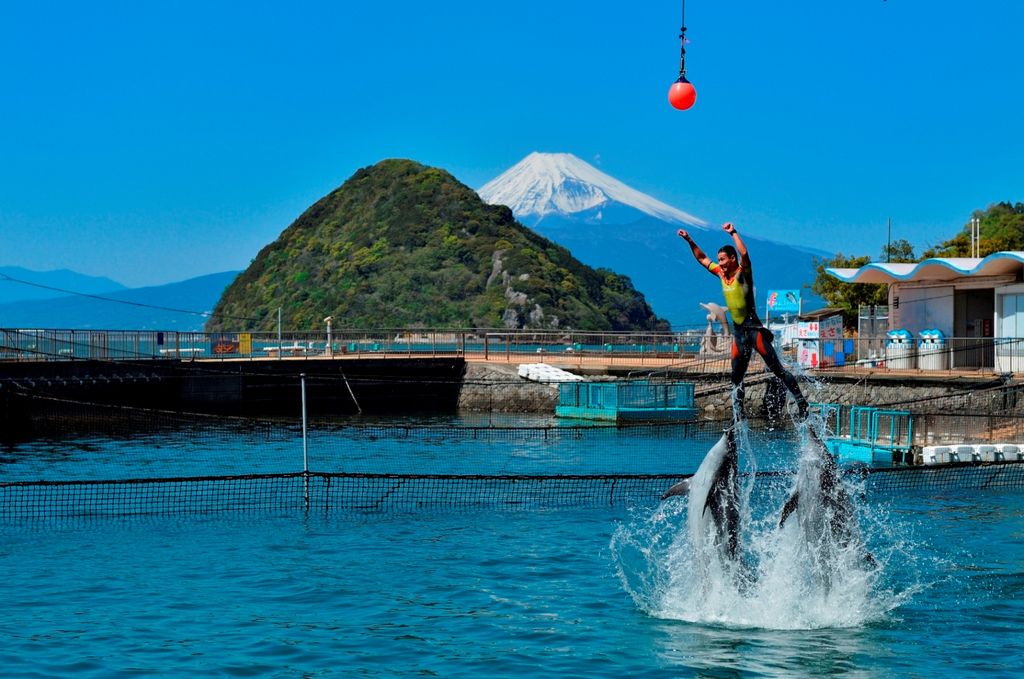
(729, 228)
(682, 234)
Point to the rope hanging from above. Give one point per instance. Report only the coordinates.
(682, 45)
(682, 94)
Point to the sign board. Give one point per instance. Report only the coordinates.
(807, 355)
(807, 330)
(783, 302)
(831, 328)
(224, 344)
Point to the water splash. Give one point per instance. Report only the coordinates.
(798, 576)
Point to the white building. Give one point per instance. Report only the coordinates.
(978, 304)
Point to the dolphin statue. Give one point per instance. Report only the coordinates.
(714, 498)
(823, 508)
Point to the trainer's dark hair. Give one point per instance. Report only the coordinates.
(729, 251)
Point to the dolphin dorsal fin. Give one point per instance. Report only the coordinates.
(789, 507)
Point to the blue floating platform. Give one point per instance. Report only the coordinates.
(635, 401)
(868, 435)
(852, 451)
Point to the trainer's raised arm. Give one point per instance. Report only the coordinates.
(698, 254)
(741, 248)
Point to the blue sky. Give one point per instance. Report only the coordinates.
(152, 142)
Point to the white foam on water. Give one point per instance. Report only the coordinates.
(783, 581)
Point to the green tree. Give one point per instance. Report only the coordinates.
(898, 251)
(847, 297)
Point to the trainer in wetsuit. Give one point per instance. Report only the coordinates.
(748, 331)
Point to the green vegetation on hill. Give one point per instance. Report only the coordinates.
(404, 245)
(1002, 228)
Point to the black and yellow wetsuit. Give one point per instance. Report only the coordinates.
(750, 334)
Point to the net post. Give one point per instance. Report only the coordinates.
(305, 444)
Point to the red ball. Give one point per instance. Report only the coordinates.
(682, 94)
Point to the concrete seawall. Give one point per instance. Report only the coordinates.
(439, 385)
(498, 388)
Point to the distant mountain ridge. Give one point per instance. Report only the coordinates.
(635, 234)
(131, 309)
(39, 284)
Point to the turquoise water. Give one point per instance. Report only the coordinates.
(581, 592)
(435, 445)
(480, 594)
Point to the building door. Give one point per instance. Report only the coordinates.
(973, 311)
(1010, 350)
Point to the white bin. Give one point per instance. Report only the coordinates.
(932, 356)
(900, 355)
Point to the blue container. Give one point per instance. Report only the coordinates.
(932, 337)
(899, 336)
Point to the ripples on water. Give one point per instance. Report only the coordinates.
(493, 594)
(575, 592)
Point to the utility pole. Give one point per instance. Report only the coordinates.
(976, 237)
(888, 244)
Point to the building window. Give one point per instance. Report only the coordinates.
(1011, 316)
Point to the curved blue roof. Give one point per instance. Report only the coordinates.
(933, 269)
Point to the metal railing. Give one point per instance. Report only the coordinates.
(994, 355)
(68, 345)
(686, 350)
(903, 428)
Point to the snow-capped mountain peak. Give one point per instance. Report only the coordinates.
(542, 184)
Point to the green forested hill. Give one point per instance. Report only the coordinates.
(401, 244)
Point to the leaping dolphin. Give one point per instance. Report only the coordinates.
(714, 498)
(823, 507)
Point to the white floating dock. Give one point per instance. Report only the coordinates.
(542, 372)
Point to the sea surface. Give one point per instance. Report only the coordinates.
(601, 591)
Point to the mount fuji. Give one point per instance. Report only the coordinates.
(606, 223)
(546, 186)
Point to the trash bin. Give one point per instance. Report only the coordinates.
(931, 350)
(899, 350)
